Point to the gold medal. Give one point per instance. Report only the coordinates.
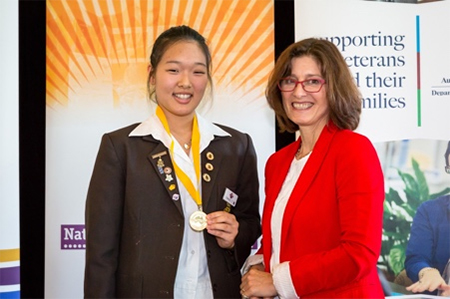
(197, 221)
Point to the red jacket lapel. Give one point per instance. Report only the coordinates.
(276, 170)
(307, 176)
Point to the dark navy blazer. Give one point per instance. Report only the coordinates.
(429, 242)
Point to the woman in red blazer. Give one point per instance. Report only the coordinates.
(322, 219)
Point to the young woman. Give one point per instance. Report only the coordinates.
(322, 219)
(172, 208)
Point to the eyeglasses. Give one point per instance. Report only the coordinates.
(310, 85)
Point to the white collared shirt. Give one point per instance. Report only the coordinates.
(281, 272)
(192, 279)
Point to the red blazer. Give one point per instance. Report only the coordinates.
(332, 225)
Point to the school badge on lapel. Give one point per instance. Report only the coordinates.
(166, 173)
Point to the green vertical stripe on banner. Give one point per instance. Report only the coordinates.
(419, 110)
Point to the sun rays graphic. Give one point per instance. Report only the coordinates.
(98, 45)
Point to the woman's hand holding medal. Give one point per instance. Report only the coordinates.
(224, 227)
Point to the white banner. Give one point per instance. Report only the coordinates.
(9, 151)
(399, 54)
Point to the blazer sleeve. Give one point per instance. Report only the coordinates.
(103, 218)
(429, 240)
(419, 249)
(247, 209)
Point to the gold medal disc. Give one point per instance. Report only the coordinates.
(198, 221)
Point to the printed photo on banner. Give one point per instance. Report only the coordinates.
(415, 172)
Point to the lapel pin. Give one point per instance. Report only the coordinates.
(159, 155)
(160, 164)
(160, 169)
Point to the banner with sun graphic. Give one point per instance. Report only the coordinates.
(97, 58)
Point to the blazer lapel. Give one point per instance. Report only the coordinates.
(282, 164)
(275, 175)
(160, 159)
(307, 176)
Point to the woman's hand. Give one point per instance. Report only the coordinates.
(257, 283)
(224, 227)
(429, 280)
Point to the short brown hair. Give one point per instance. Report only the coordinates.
(343, 96)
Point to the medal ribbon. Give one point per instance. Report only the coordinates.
(193, 191)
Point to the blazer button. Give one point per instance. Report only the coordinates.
(209, 167)
(206, 177)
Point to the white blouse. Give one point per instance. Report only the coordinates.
(281, 273)
(192, 280)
